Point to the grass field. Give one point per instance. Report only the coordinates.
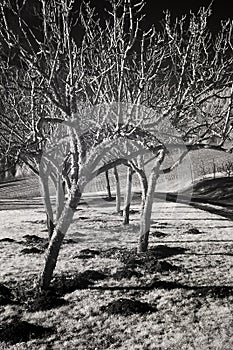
(105, 296)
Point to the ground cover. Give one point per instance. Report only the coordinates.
(105, 296)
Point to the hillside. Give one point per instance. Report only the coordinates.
(219, 190)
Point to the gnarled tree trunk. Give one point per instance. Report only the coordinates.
(60, 197)
(47, 203)
(147, 207)
(57, 239)
(128, 195)
(108, 185)
(118, 190)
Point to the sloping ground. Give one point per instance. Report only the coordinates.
(22, 193)
(28, 187)
(218, 191)
(212, 195)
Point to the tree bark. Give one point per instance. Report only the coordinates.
(128, 195)
(50, 225)
(147, 208)
(47, 204)
(108, 185)
(118, 190)
(143, 181)
(60, 197)
(57, 239)
(2, 170)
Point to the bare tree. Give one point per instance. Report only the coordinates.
(227, 168)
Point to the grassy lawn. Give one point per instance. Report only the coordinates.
(105, 296)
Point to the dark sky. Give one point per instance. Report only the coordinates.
(221, 9)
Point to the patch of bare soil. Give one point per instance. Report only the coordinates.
(116, 253)
(87, 254)
(160, 225)
(68, 283)
(126, 273)
(28, 296)
(7, 240)
(18, 331)
(153, 266)
(130, 256)
(193, 231)
(45, 301)
(158, 234)
(33, 250)
(6, 296)
(92, 275)
(219, 292)
(150, 260)
(33, 239)
(36, 244)
(127, 307)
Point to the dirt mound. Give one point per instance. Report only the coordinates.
(130, 256)
(133, 211)
(83, 218)
(32, 239)
(68, 283)
(46, 301)
(43, 222)
(28, 295)
(87, 254)
(6, 295)
(193, 231)
(117, 253)
(7, 240)
(127, 307)
(149, 260)
(92, 275)
(214, 291)
(159, 225)
(163, 251)
(21, 331)
(37, 244)
(32, 250)
(69, 241)
(158, 234)
(126, 273)
(153, 266)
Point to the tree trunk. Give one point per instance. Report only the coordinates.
(2, 170)
(108, 185)
(50, 225)
(143, 181)
(118, 190)
(60, 197)
(147, 208)
(56, 240)
(128, 195)
(47, 203)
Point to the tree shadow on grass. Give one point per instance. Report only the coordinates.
(18, 331)
(198, 291)
(213, 207)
